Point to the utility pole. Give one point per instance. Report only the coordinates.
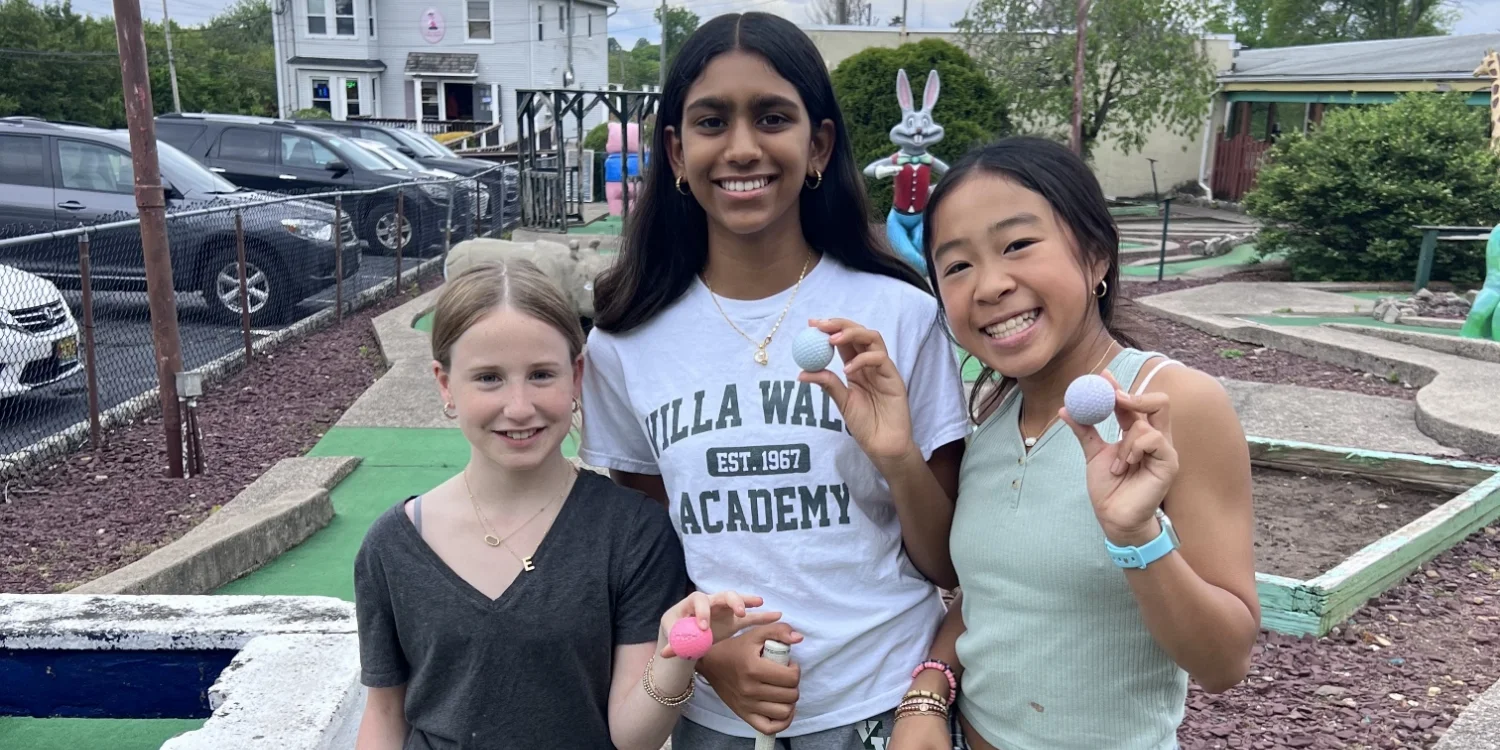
(661, 75)
(166, 25)
(151, 207)
(1083, 14)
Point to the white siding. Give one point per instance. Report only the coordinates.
(514, 58)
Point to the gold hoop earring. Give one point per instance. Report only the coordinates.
(447, 408)
(689, 191)
(816, 173)
(1102, 289)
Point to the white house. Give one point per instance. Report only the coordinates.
(435, 59)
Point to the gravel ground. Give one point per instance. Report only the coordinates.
(1395, 675)
(93, 513)
(1231, 359)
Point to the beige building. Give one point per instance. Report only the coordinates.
(1178, 159)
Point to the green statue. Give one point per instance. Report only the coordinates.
(1484, 318)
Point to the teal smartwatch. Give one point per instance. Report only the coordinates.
(1150, 552)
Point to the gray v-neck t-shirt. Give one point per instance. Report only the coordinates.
(532, 668)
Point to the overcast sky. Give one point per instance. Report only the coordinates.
(634, 17)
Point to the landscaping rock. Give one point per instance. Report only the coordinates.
(1197, 247)
(1391, 315)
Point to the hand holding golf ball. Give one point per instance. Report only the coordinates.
(871, 397)
(1128, 479)
(698, 622)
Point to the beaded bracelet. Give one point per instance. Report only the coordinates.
(666, 701)
(939, 665)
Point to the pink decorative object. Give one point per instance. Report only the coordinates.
(614, 143)
(614, 194)
(688, 640)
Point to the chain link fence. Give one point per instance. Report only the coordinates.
(75, 326)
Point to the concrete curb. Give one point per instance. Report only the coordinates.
(1456, 401)
(1480, 349)
(1477, 726)
(278, 511)
(75, 622)
(71, 438)
(284, 692)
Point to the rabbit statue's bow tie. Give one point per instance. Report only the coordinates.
(909, 159)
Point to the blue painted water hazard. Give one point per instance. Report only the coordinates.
(163, 684)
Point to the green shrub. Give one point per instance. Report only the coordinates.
(968, 107)
(596, 139)
(1342, 202)
(311, 113)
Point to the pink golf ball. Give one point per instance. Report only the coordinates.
(688, 640)
(1090, 399)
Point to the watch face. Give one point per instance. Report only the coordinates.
(1166, 523)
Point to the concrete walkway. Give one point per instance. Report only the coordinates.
(1458, 401)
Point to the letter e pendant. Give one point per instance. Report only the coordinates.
(526, 564)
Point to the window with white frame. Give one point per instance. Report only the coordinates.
(430, 110)
(343, 17)
(591, 25)
(351, 97)
(317, 17)
(322, 96)
(370, 13)
(541, 17)
(561, 24)
(478, 18)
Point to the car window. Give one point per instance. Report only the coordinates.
(90, 166)
(379, 137)
(301, 151)
(23, 161)
(179, 134)
(356, 154)
(244, 144)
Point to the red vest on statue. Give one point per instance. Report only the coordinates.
(912, 183)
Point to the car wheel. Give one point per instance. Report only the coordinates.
(384, 230)
(268, 291)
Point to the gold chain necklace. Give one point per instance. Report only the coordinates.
(761, 357)
(1031, 441)
(496, 541)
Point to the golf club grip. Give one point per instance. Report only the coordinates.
(781, 654)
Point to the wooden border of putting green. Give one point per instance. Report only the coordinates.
(1314, 606)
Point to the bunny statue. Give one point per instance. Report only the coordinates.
(913, 168)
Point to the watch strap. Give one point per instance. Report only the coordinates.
(1143, 555)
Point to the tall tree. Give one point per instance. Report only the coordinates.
(676, 27)
(841, 12)
(1145, 66)
(1284, 23)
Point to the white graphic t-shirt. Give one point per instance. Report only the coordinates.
(770, 494)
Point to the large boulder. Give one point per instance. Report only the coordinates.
(571, 267)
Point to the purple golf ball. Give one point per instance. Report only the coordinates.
(1090, 399)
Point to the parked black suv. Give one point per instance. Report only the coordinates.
(278, 155)
(502, 181)
(57, 176)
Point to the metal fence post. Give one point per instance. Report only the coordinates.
(1166, 222)
(239, 248)
(86, 279)
(1424, 260)
(448, 225)
(478, 206)
(400, 228)
(338, 252)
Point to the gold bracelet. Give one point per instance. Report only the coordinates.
(669, 702)
(925, 694)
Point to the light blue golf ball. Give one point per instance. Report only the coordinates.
(811, 350)
(1090, 399)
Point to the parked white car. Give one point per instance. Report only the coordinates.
(38, 335)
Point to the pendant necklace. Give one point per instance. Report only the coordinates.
(497, 541)
(761, 358)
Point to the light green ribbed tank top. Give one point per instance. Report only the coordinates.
(1055, 655)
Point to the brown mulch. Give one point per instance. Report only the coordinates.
(1222, 357)
(90, 514)
(1395, 675)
